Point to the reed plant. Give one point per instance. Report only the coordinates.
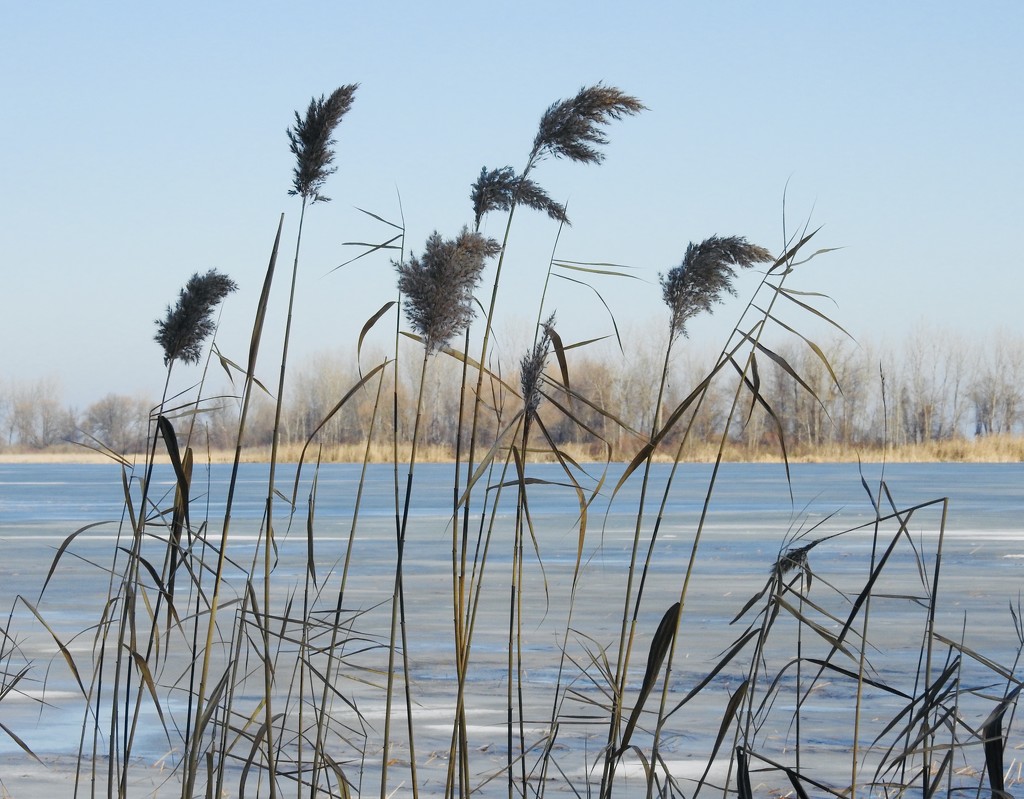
(288, 660)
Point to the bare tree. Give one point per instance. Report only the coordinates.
(119, 422)
(36, 417)
(997, 388)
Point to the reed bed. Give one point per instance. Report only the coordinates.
(267, 664)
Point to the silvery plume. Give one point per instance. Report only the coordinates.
(311, 143)
(438, 286)
(573, 128)
(500, 189)
(187, 325)
(706, 271)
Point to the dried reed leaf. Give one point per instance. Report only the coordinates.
(992, 735)
(64, 651)
(60, 552)
(727, 718)
(368, 325)
(660, 644)
(370, 249)
(611, 315)
(597, 268)
(24, 746)
(724, 661)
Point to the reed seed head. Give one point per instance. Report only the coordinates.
(706, 271)
(500, 189)
(311, 142)
(189, 322)
(531, 368)
(438, 286)
(573, 128)
(795, 559)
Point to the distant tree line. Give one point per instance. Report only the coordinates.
(935, 386)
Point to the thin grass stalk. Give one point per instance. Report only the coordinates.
(547, 280)
(930, 629)
(741, 254)
(515, 631)
(723, 359)
(100, 643)
(119, 757)
(861, 667)
(804, 587)
(305, 653)
(167, 572)
(628, 627)
(458, 755)
(927, 736)
(398, 515)
(332, 664)
(268, 675)
(472, 589)
(397, 595)
(192, 738)
(753, 340)
(558, 694)
(779, 586)
(478, 391)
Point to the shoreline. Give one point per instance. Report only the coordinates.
(909, 455)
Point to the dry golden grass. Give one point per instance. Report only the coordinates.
(990, 449)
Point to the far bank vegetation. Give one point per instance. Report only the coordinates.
(933, 397)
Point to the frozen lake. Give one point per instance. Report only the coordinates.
(752, 517)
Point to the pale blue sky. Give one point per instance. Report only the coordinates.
(145, 142)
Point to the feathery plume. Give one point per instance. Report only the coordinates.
(706, 271)
(438, 287)
(532, 367)
(187, 325)
(311, 143)
(573, 128)
(500, 189)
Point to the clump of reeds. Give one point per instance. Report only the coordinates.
(189, 322)
(243, 709)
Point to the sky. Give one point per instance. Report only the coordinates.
(146, 142)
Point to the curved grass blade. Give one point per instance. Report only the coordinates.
(992, 735)
(330, 415)
(369, 325)
(660, 644)
(60, 551)
(730, 713)
(24, 746)
(611, 316)
(371, 248)
(563, 366)
(64, 651)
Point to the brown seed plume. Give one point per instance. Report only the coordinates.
(706, 271)
(189, 322)
(438, 286)
(311, 142)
